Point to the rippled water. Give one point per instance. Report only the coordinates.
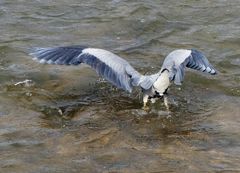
(69, 120)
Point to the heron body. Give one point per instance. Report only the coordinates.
(121, 74)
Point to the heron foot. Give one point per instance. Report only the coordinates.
(146, 108)
(166, 103)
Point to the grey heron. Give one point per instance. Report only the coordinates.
(121, 74)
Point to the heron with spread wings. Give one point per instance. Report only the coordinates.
(121, 74)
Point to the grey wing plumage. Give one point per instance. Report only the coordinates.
(110, 66)
(177, 60)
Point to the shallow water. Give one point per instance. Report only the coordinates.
(69, 120)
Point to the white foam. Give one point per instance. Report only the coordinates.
(42, 61)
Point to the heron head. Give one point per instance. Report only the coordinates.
(162, 83)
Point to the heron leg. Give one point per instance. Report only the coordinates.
(165, 99)
(145, 100)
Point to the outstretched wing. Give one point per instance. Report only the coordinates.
(177, 60)
(110, 66)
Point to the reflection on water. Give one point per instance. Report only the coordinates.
(65, 119)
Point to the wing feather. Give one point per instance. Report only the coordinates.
(110, 66)
(177, 60)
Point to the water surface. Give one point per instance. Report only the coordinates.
(70, 120)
